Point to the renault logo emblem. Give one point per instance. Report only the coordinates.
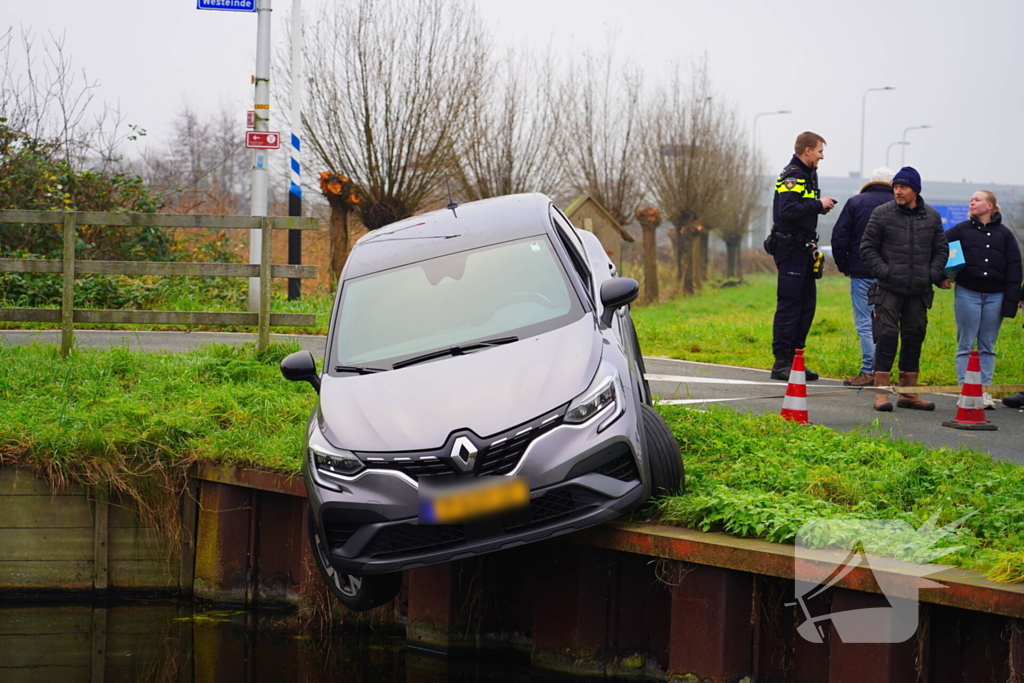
(464, 454)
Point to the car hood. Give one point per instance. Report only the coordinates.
(488, 391)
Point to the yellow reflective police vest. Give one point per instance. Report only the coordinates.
(798, 185)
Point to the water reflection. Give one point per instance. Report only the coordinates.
(175, 643)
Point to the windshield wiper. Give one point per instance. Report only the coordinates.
(357, 369)
(455, 351)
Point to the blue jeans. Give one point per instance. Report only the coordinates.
(978, 317)
(862, 321)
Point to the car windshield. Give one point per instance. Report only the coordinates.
(514, 289)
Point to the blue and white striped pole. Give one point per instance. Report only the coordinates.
(295, 187)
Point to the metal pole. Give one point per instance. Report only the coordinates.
(294, 188)
(765, 113)
(768, 228)
(259, 156)
(863, 115)
(903, 156)
(889, 149)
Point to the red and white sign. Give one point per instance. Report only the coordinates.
(261, 139)
(250, 119)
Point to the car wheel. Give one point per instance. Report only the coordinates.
(662, 450)
(358, 593)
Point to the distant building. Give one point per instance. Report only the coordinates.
(585, 212)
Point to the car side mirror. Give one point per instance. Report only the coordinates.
(300, 367)
(615, 294)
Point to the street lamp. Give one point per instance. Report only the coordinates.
(863, 113)
(766, 113)
(903, 157)
(768, 226)
(889, 149)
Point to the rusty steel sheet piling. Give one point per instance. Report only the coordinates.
(628, 600)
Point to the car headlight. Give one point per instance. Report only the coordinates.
(334, 461)
(604, 392)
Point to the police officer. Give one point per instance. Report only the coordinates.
(793, 243)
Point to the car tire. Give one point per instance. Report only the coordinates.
(662, 450)
(358, 593)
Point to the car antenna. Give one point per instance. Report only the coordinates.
(451, 202)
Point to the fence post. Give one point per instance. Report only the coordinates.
(263, 328)
(67, 304)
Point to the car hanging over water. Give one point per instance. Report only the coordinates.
(483, 388)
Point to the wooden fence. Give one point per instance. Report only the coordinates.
(67, 315)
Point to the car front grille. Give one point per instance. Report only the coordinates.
(408, 537)
(500, 456)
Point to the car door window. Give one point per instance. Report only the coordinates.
(567, 235)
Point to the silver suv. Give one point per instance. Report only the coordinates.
(483, 388)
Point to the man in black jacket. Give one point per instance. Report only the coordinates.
(793, 241)
(905, 250)
(846, 236)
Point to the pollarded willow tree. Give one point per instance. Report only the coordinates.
(602, 133)
(690, 137)
(742, 200)
(392, 84)
(512, 144)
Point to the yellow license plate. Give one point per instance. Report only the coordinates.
(485, 496)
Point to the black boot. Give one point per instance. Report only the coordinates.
(1015, 401)
(781, 368)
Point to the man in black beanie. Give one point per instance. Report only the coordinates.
(905, 250)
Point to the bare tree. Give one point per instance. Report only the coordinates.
(741, 200)
(206, 167)
(44, 97)
(690, 137)
(649, 220)
(602, 133)
(390, 89)
(512, 144)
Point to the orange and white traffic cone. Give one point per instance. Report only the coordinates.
(794, 405)
(970, 408)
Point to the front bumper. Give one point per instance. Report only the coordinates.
(578, 479)
(393, 546)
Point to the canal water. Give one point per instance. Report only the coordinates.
(178, 643)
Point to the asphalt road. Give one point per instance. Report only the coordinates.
(847, 412)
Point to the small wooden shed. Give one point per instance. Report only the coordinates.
(587, 213)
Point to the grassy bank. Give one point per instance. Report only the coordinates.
(135, 421)
(734, 326)
(760, 476)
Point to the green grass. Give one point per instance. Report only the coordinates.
(135, 421)
(135, 410)
(733, 326)
(760, 476)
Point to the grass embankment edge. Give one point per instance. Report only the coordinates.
(131, 424)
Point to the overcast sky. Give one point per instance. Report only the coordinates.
(957, 66)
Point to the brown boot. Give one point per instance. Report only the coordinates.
(882, 403)
(864, 379)
(912, 401)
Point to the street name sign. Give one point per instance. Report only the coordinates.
(261, 139)
(227, 5)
